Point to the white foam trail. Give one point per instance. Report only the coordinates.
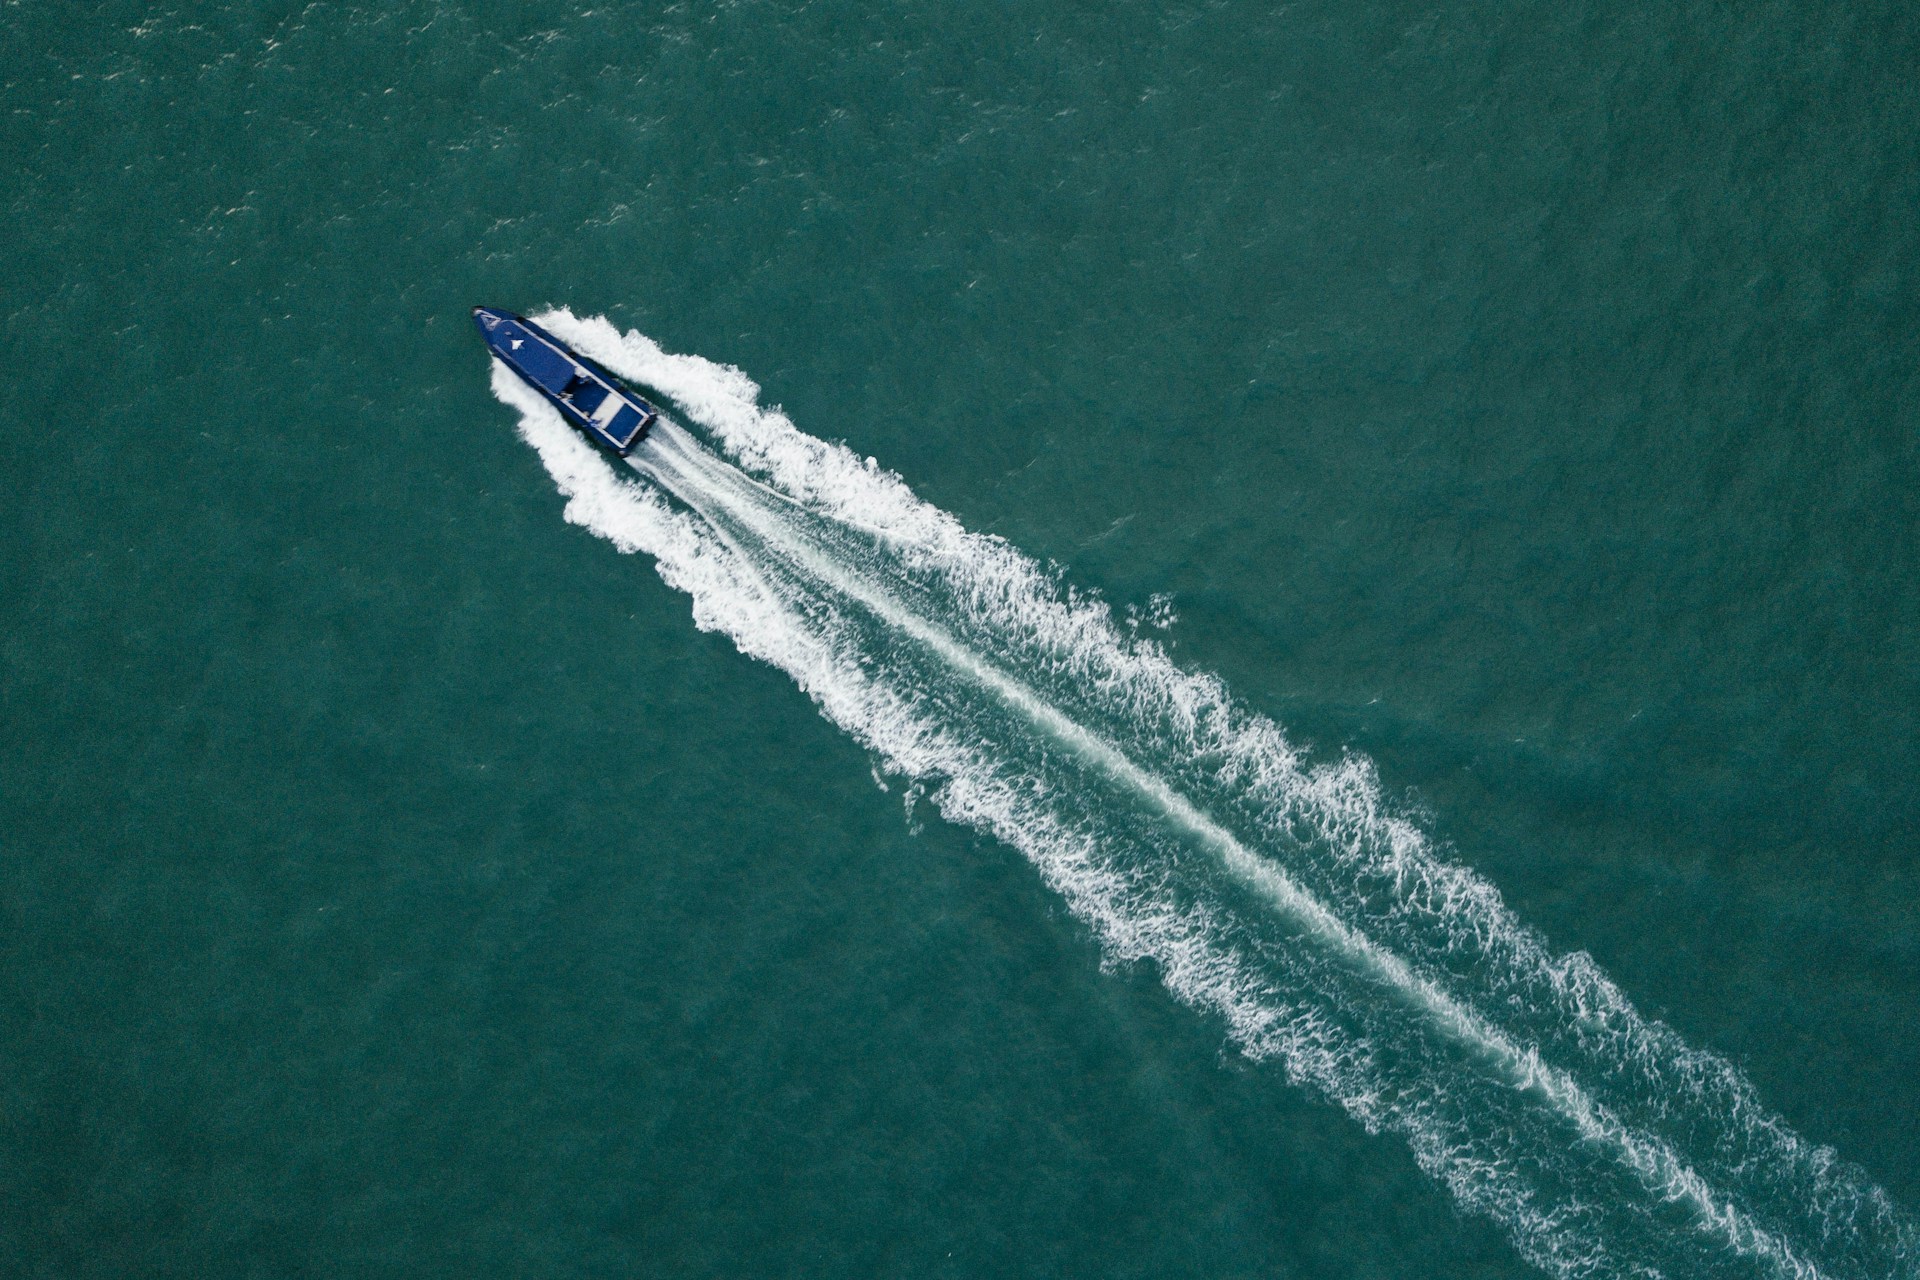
(1374, 878)
(1663, 1170)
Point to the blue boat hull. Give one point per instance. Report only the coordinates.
(586, 395)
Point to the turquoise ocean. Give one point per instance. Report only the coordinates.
(1259, 640)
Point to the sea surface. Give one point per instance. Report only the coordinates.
(1261, 640)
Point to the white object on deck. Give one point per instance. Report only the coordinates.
(604, 411)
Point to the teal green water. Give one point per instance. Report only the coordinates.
(1518, 402)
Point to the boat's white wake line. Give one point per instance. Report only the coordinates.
(762, 563)
(1663, 1171)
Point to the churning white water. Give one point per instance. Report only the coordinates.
(1291, 899)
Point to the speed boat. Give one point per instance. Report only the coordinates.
(585, 394)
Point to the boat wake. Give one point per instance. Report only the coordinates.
(1290, 898)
